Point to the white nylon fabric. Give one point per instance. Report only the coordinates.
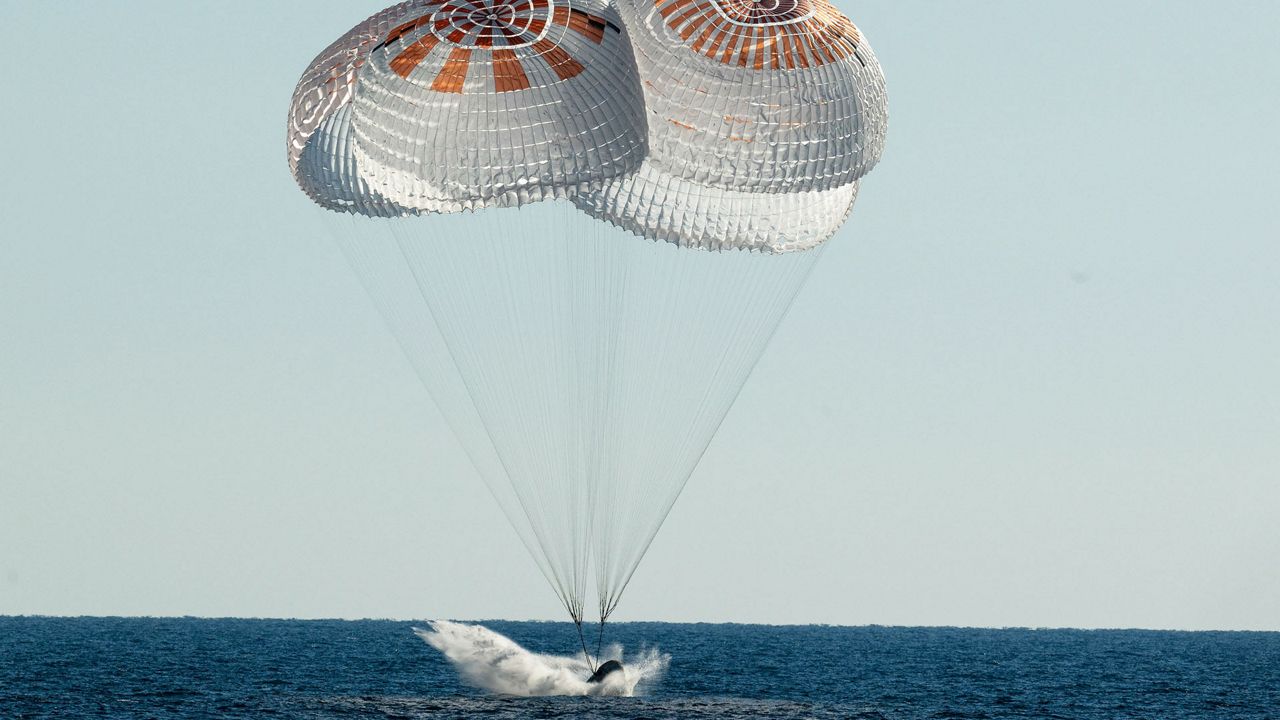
(758, 95)
(498, 103)
(763, 115)
(654, 204)
(328, 83)
(327, 172)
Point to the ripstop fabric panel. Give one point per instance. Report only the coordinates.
(328, 174)
(498, 103)
(758, 95)
(657, 205)
(327, 171)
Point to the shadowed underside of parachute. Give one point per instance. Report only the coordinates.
(584, 326)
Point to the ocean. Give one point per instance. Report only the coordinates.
(196, 668)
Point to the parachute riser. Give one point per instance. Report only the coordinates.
(600, 640)
(582, 638)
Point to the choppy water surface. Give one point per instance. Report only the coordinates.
(94, 668)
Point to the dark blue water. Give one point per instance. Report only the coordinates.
(100, 668)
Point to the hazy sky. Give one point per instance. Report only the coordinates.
(1040, 366)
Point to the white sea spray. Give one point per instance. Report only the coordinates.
(493, 662)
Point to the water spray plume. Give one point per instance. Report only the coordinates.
(496, 663)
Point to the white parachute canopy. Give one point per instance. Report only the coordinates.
(470, 150)
(758, 95)
(762, 117)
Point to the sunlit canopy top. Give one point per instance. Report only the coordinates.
(479, 103)
(732, 124)
(759, 95)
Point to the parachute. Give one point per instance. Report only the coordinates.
(583, 223)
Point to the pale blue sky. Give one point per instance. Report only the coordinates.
(1039, 379)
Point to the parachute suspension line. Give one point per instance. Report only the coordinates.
(600, 640)
(555, 494)
(593, 664)
(584, 369)
(743, 300)
(474, 281)
(574, 310)
(379, 264)
(368, 248)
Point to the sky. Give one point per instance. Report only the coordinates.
(1040, 378)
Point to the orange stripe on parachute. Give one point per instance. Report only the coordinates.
(406, 62)
(825, 36)
(508, 72)
(560, 61)
(454, 72)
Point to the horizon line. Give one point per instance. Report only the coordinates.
(481, 621)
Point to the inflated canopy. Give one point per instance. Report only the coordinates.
(442, 106)
(731, 125)
(762, 118)
(321, 150)
(758, 95)
(478, 103)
